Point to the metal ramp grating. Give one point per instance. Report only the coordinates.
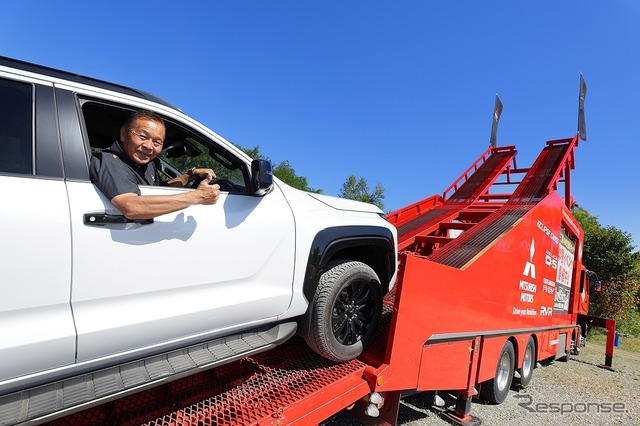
(468, 192)
(538, 181)
(483, 177)
(83, 391)
(471, 243)
(533, 188)
(241, 393)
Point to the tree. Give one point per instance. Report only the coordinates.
(252, 152)
(283, 171)
(610, 253)
(287, 174)
(607, 251)
(359, 190)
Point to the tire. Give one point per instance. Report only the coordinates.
(496, 390)
(528, 363)
(345, 311)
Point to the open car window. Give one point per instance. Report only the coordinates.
(183, 148)
(183, 152)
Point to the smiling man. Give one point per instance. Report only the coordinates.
(131, 161)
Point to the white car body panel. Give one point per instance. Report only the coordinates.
(194, 273)
(346, 204)
(35, 315)
(311, 209)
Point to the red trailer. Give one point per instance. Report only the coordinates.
(490, 281)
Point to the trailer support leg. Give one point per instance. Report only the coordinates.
(460, 414)
(463, 406)
(389, 411)
(462, 409)
(608, 352)
(610, 325)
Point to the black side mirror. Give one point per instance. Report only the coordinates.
(261, 177)
(598, 285)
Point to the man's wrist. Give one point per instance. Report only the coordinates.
(191, 176)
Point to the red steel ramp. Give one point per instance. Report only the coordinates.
(475, 182)
(551, 165)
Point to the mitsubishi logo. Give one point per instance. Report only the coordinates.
(529, 267)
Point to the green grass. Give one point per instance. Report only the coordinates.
(630, 324)
(631, 344)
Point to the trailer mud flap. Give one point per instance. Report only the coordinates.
(561, 349)
(449, 365)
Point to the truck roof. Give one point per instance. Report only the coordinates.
(77, 78)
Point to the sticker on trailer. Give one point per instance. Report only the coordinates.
(566, 256)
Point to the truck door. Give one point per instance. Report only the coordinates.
(36, 325)
(195, 274)
(585, 282)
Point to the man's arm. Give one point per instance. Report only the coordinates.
(134, 206)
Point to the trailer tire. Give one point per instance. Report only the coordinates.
(528, 363)
(345, 311)
(496, 390)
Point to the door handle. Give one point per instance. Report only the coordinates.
(102, 219)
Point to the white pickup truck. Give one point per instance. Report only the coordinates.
(95, 306)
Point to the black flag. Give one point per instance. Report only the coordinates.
(582, 126)
(497, 110)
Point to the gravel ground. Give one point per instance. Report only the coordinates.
(577, 392)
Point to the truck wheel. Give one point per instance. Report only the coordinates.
(496, 390)
(528, 364)
(345, 312)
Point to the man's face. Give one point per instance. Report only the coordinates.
(143, 141)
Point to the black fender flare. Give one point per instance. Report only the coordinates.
(373, 245)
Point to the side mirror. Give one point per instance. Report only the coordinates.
(594, 281)
(261, 177)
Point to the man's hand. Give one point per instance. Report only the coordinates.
(185, 179)
(202, 173)
(208, 194)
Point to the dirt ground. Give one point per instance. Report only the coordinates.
(578, 392)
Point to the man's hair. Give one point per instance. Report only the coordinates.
(141, 114)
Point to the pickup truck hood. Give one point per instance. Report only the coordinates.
(346, 204)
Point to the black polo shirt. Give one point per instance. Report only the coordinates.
(114, 173)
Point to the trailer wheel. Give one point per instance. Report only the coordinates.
(496, 390)
(529, 363)
(346, 309)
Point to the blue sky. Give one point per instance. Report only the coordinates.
(400, 93)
